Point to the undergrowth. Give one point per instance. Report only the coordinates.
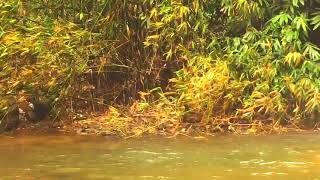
(181, 66)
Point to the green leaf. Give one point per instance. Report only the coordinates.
(315, 21)
(81, 16)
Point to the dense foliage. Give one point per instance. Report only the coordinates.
(252, 60)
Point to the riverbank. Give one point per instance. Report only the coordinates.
(126, 124)
(188, 68)
(138, 127)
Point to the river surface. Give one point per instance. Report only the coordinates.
(227, 157)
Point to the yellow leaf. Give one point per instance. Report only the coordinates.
(252, 130)
(15, 84)
(153, 13)
(26, 72)
(10, 38)
(52, 82)
(157, 25)
(294, 58)
(153, 37)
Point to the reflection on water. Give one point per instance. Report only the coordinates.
(58, 157)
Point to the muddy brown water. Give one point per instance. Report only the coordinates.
(72, 157)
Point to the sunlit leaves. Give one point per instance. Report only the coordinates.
(10, 38)
(227, 6)
(301, 23)
(153, 13)
(290, 35)
(268, 103)
(313, 103)
(183, 27)
(281, 19)
(294, 58)
(297, 3)
(183, 11)
(169, 54)
(81, 15)
(250, 55)
(38, 52)
(244, 8)
(157, 25)
(312, 51)
(300, 89)
(151, 40)
(196, 6)
(175, 22)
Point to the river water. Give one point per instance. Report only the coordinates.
(227, 157)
